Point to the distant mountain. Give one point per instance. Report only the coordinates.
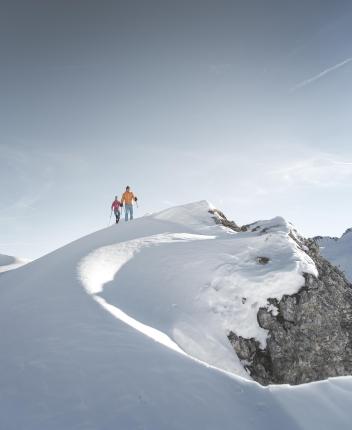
(338, 251)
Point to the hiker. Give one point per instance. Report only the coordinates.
(115, 206)
(127, 199)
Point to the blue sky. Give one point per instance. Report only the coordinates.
(246, 104)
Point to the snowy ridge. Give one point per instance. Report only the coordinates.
(80, 351)
(220, 288)
(193, 214)
(9, 263)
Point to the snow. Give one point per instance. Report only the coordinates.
(220, 288)
(101, 265)
(338, 251)
(126, 328)
(194, 214)
(8, 262)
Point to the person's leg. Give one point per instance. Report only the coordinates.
(131, 212)
(117, 215)
(126, 212)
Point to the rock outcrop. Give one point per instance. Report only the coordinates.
(309, 333)
(220, 218)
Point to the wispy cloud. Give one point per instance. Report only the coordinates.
(343, 163)
(321, 170)
(320, 75)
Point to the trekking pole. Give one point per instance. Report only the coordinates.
(110, 218)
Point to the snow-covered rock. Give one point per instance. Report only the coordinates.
(127, 328)
(338, 251)
(309, 332)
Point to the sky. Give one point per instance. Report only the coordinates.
(246, 104)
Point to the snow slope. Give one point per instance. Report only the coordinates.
(338, 251)
(126, 329)
(9, 263)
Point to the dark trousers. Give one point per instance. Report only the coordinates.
(117, 215)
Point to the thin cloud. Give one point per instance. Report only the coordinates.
(320, 75)
(318, 171)
(343, 163)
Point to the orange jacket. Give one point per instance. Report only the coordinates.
(127, 197)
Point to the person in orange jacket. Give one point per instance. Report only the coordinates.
(127, 199)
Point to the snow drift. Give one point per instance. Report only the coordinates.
(8, 262)
(127, 328)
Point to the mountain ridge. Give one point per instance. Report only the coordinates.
(83, 366)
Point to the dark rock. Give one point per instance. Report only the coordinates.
(310, 332)
(256, 361)
(263, 260)
(220, 218)
(265, 318)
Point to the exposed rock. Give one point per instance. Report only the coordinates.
(220, 218)
(309, 333)
(263, 260)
